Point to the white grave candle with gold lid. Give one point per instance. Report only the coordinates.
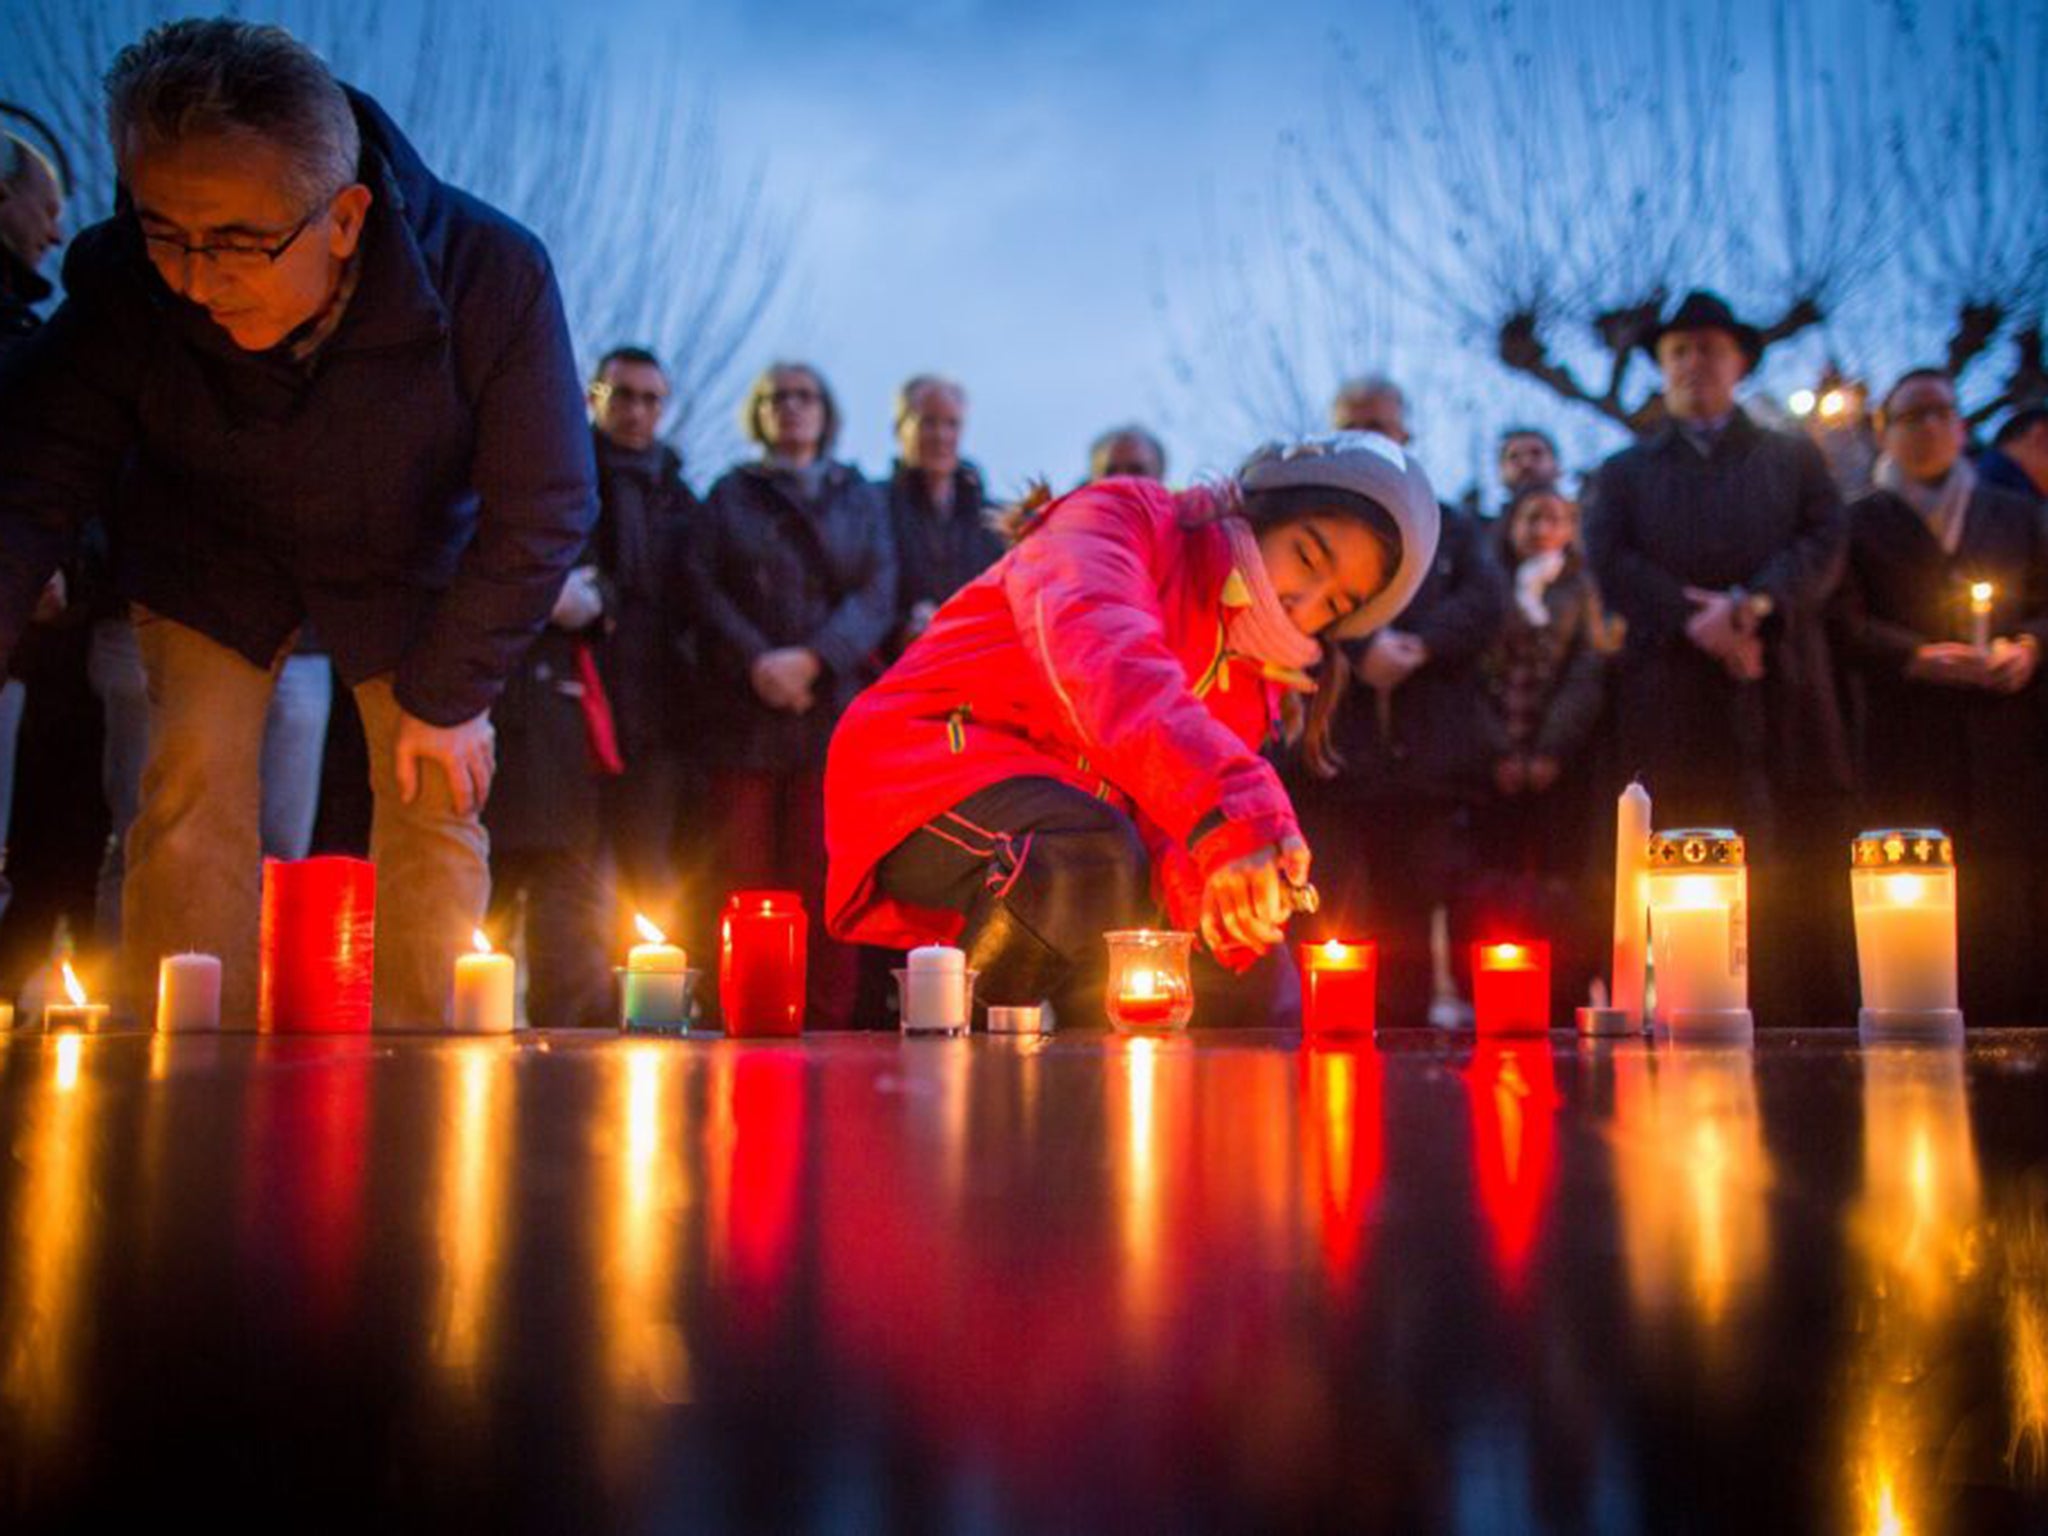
(1902, 881)
(1699, 934)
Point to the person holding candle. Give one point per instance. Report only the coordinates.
(330, 391)
(1077, 732)
(1948, 734)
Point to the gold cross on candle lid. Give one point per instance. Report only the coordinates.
(1696, 848)
(1903, 847)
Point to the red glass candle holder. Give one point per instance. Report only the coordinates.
(1511, 988)
(317, 946)
(761, 956)
(1339, 988)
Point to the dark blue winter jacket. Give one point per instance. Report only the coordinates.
(415, 491)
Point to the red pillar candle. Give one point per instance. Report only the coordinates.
(318, 946)
(761, 955)
(1511, 988)
(1339, 983)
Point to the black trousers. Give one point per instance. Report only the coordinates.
(1040, 871)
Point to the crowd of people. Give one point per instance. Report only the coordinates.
(263, 456)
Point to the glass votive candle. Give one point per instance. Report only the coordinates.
(936, 991)
(1148, 990)
(1511, 988)
(1902, 881)
(1339, 987)
(762, 951)
(1699, 933)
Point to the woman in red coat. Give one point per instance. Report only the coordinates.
(1076, 735)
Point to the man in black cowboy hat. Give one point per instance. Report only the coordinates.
(1720, 542)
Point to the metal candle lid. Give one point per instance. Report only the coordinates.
(1696, 848)
(1903, 848)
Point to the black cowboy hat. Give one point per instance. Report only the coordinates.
(1701, 310)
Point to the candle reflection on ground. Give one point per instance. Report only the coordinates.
(469, 1208)
(1342, 1143)
(647, 1360)
(1512, 1091)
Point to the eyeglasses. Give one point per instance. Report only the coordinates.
(798, 396)
(1923, 415)
(630, 397)
(241, 257)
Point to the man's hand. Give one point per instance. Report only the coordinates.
(783, 677)
(467, 754)
(50, 605)
(2010, 666)
(1543, 773)
(1720, 627)
(1246, 901)
(1951, 664)
(1391, 659)
(581, 603)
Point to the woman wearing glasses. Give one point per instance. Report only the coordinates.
(792, 579)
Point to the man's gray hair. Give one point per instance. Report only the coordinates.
(917, 386)
(220, 77)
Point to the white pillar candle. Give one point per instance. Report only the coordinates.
(484, 991)
(1981, 594)
(1631, 900)
(1699, 932)
(188, 993)
(1903, 885)
(935, 991)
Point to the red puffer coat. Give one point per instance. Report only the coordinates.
(1092, 653)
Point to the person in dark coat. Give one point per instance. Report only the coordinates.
(938, 509)
(792, 579)
(645, 510)
(1719, 544)
(1545, 682)
(1389, 810)
(1949, 734)
(343, 395)
(2017, 460)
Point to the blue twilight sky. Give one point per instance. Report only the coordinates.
(1006, 193)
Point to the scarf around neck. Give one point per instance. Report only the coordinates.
(1534, 577)
(1943, 506)
(1255, 622)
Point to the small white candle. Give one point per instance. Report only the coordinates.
(935, 991)
(1631, 899)
(484, 991)
(1981, 593)
(656, 988)
(188, 993)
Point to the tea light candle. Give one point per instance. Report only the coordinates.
(934, 986)
(188, 993)
(1981, 594)
(484, 990)
(1903, 885)
(1148, 986)
(656, 988)
(1699, 933)
(1339, 985)
(1511, 988)
(75, 1013)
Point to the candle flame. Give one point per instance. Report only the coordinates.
(1696, 893)
(481, 940)
(73, 987)
(1506, 952)
(1980, 592)
(648, 931)
(1905, 890)
(1142, 983)
(1333, 950)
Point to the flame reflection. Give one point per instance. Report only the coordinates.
(46, 1247)
(646, 1355)
(1342, 1152)
(470, 1206)
(1692, 1175)
(1511, 1087)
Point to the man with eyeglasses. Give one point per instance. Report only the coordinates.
(310, 385)
(1950, 732)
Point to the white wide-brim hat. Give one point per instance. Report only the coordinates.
(1379, 469)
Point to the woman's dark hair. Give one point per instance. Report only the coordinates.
(1309, 725)
(764, 387)
(1504, 531)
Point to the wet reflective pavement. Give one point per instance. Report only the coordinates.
(856, 1283)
